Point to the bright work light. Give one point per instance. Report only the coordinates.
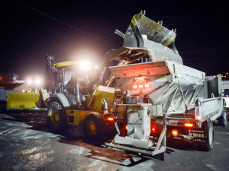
(85, 65)
(29, 81)
(38, 82)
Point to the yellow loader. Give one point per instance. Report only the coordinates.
(74, 102)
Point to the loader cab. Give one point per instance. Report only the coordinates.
(71, 81)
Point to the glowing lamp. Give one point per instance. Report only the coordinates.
(140, 86)
(38, 82)
(135, 86)
(85, 65)
(110, 119)
(198, 117)
(29, 81)
(188, 124)
(174, 132)
(146, 85)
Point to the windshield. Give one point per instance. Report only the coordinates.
(66, 81)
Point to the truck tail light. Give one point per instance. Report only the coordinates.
(146, 85)
(175, 132)
(153, 129)
(188, 124)
(126, 127)
(140, 86)
(135, 86)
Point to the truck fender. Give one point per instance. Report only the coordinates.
(62, 99)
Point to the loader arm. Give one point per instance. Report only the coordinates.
(50, 74)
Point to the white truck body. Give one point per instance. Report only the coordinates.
(176, 92)
(173, 88)
(225, 89)
(157, 86)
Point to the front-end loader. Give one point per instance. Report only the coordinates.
(73, 102)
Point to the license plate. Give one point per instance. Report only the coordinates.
(197, 135)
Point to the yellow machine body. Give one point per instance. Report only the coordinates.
(76, 117)
(100, 93)
(65, 64)
(22, 100)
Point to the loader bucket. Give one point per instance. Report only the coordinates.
(22, 100)
(158, 40)
(142, 25)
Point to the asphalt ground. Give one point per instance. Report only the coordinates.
(27, 144)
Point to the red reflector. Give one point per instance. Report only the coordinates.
(188, 125)
(146, 85)
(174, 132)
(110, 119)
(140, 86)
(135, 86)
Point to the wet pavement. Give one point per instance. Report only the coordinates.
(27, 144)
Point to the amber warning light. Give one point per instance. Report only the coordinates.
(110, 119)
(188, 125)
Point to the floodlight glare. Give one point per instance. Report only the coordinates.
(29, 81)
(38, 82)
(85, 65)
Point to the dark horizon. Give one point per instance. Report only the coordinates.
(32, 29)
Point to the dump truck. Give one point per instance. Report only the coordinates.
(162, 98)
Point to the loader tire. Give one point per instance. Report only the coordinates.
(222, 120)
(56, 118)
(209, 143)
(93, 127)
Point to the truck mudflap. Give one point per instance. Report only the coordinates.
(197, 135)
(193, 136)
(186, 138)
(190, 135)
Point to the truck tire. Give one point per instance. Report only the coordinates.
(222, 120)
(93, 127)
(56, 118)
(3, 106)
(208, 145)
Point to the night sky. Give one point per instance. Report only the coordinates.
(30, 29)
